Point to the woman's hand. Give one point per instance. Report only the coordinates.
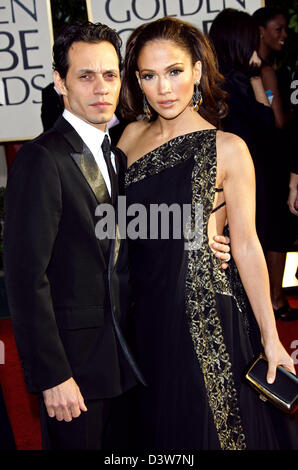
(255, 59)
(277, 356)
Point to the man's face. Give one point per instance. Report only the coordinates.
(92, 84)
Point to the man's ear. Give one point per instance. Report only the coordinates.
(59, 83)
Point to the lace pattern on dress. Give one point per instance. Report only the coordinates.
(166, 156)
(204, 279)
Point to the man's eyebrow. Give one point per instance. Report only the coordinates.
(86, 71)
(94, 71)
(111, 71)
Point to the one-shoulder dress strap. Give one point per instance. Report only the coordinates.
(171, 153)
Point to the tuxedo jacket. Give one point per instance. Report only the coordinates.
(67, 290)
(52, 106)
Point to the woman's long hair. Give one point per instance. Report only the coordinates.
(187, 37)
(235, 36)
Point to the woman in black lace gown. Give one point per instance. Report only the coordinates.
(194, 330)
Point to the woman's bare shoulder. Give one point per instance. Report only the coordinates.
(131, 135)
(228, 143)
(232, 151)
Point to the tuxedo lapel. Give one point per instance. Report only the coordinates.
(85, 161)
(89, 168)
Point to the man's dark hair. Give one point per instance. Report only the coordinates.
(82, 32)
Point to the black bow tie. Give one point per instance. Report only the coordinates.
(106, 150)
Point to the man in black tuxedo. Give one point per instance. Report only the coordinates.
(67, 290)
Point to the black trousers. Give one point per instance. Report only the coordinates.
(6, 435)
(87, 432)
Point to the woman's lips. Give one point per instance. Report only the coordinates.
(167, 103)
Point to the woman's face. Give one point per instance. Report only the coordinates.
(274, 34)
(167, 77)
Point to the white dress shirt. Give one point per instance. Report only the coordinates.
(93, 138)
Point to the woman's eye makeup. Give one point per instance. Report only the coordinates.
(147, 76)
(172, 73)
(175, 72)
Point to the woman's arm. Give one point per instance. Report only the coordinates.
(269, 80)
(239, 191)
(259, 92)
(256, 82)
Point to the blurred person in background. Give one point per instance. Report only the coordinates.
(272, 25)
(293, 183)
(236, 39)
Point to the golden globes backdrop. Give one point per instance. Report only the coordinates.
(25, 66)
(26, 43)
(126, 15)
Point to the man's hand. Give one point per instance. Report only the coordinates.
(222, 249)
(64, 401)
(293, 194)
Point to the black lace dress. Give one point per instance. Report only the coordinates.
(193, 331)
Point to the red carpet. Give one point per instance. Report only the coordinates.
(22, 408)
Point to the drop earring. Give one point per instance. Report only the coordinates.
(146, 108)
(197, 98)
